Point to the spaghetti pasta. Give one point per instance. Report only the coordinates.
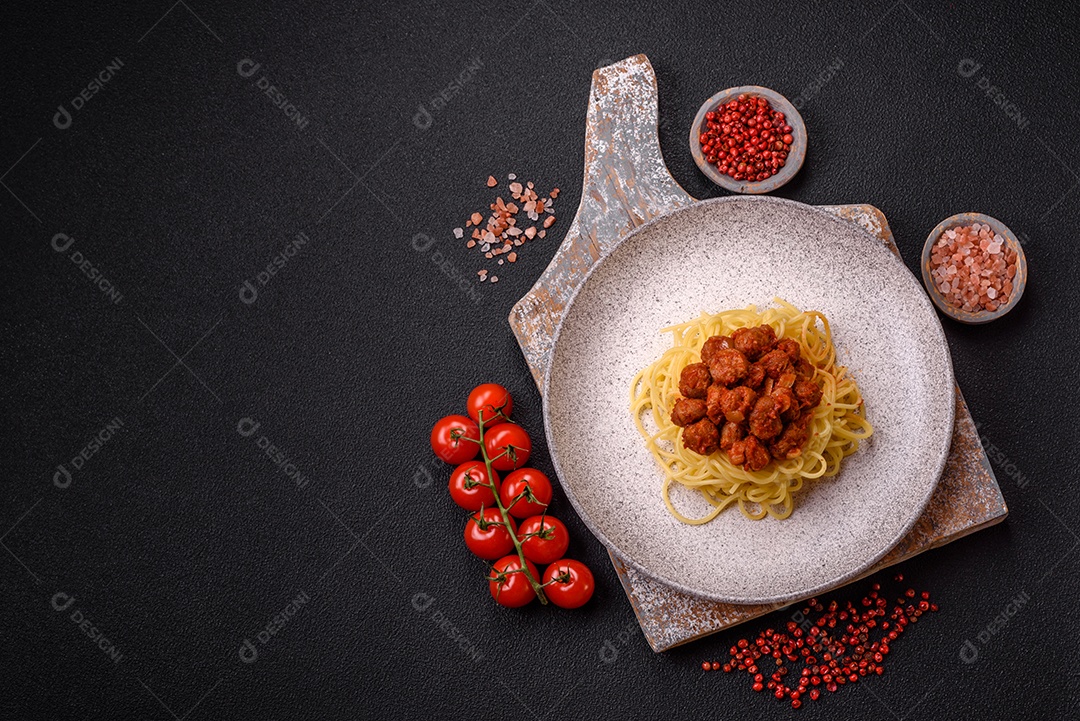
(836, 428)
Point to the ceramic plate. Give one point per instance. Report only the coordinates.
(727, 253)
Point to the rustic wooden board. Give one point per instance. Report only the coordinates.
(625, 184)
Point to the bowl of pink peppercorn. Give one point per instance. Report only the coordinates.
(974, 268)
(748, 139)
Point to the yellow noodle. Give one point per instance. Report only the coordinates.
(837, 426)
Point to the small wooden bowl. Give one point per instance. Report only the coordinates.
(796, 154)
(1002, 231)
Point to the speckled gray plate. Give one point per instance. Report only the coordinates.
(726, 253)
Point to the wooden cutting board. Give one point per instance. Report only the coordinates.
(625, 184)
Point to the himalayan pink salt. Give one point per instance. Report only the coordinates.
(973, 268)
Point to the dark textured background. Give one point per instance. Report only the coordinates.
(179, 180)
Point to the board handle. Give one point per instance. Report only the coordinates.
(625, 184)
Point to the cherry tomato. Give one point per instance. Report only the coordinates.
(549, 545)
(493, 400)
(491, 541)
(514, 590)
(516, 483)
(571, 583)
(449, 439)
(465, 486)
(511, 439)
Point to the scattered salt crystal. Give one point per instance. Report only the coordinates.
(458, 232)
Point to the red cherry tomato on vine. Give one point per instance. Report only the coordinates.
(513, 589)
(568, 583)
(493, 400)
(467, 486)
(450, 439)
(515, 483)
(511, 439)
(491, 541)
(549, 544)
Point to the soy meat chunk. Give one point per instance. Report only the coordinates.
(765, 420)
(730, 434)
(737, 403)
(701, 437)
(714, 403)
(790, 347)
(790, 443)
(804, 369)
(728, 367)
(786, 403)
(754, 342)
(694, 380)
(808, 393)
(737, 453)
(776, 363)
(687, 411)
(755, 376)
(757, 455)
(712, 345)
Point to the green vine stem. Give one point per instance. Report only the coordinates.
(537, 587)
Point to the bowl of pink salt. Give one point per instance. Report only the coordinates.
(974, 268)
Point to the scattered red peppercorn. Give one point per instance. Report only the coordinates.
(845, 656)
(746, 139)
